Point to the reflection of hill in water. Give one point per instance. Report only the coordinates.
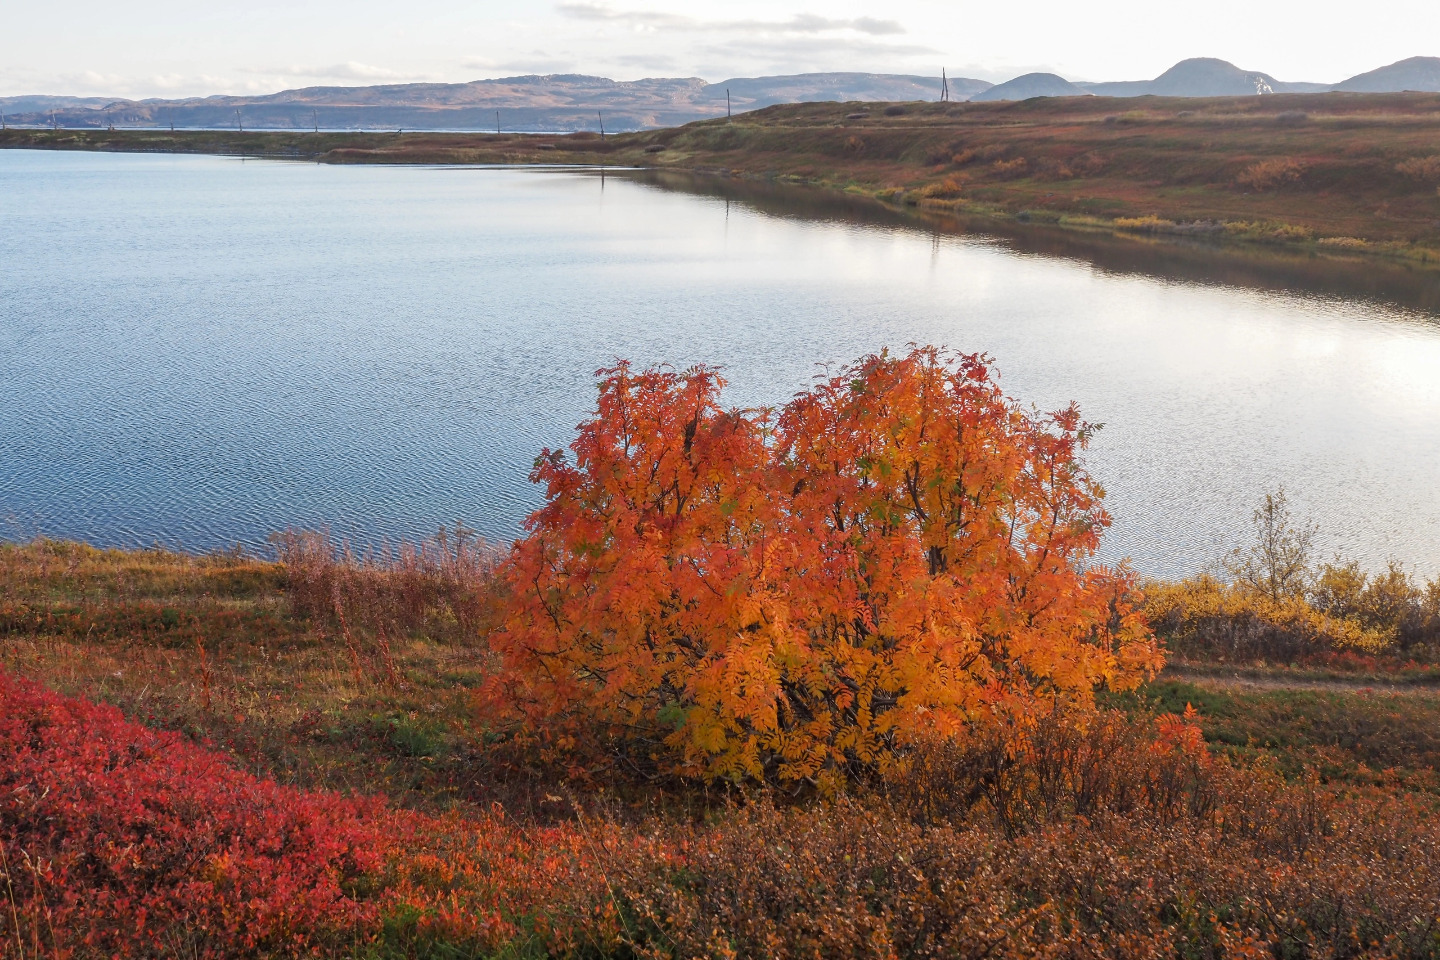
(1408, 286)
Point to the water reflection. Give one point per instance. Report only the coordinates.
(1411, 285)
(198, 351)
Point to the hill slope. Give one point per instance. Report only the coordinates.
(1032, 85)
(552, 103)
(569, 102)
(1203, 77)
(1417, 73)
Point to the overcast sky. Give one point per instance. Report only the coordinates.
(184, 47)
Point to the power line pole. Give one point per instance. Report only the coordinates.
(727, 103)
(239, 122)
(944, 86)
(315, 118)
(602, 123)
(497, 123)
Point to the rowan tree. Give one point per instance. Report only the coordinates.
(901, 551)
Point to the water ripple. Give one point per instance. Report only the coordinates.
(198, 352)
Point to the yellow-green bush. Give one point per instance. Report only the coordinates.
(1203, 617)
(1345, 609)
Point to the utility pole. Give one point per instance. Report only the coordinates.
(54, 124)
(727, 103)
(944, 86)
(497, 123)
(315, 118)
(239, 122)
(602, 123)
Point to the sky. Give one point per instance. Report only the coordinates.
(172, 48)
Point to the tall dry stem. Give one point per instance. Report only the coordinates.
(10, 895)
(206, 678)
(351, 646)
(387, 660)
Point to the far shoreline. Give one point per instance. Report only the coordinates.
(1337, 177)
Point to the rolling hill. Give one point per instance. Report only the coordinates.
(1032, 85)
(1203, 77)
(572, 102)
(1421, 74)
(561, 102)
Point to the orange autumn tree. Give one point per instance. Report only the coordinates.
(901, 552)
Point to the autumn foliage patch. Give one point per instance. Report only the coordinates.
(901, 551)
(119, 840)
(117, 837)
(1271, 174)
(885, 590)
(1098, 838)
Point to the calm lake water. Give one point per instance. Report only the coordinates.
(200, 351)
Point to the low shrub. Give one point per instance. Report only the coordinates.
(1205, 618)
(1346, 611)
(1269, 230)
(1280, 606)
(120, 839)
(1390, 606)
(1274, 872)
(1010, 169)
(1424, 169)
(1344, 243)
(1146, 224)
(1271, 174)
(1021, 777)
(1093, 837)
(951, 188)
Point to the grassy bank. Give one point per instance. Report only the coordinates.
(344, 675)
(1335, 174)
(1298, 824)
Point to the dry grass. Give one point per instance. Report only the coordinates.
(1300, 825)
(252, 656)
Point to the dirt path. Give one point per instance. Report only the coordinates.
(1246, 680)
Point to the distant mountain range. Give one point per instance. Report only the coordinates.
(1208, 77)
(574, 102)
(549, 103)
(1205, 77)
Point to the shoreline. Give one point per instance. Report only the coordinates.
(1332, 176)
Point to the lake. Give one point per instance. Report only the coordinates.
(199, 351)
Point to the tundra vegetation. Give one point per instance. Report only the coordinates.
(838, 679)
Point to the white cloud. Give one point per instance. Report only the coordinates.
(350, 70)
(656, 63)
(799, 23)
(787, 55)
(170, 48)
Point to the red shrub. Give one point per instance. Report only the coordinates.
(120, 838)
